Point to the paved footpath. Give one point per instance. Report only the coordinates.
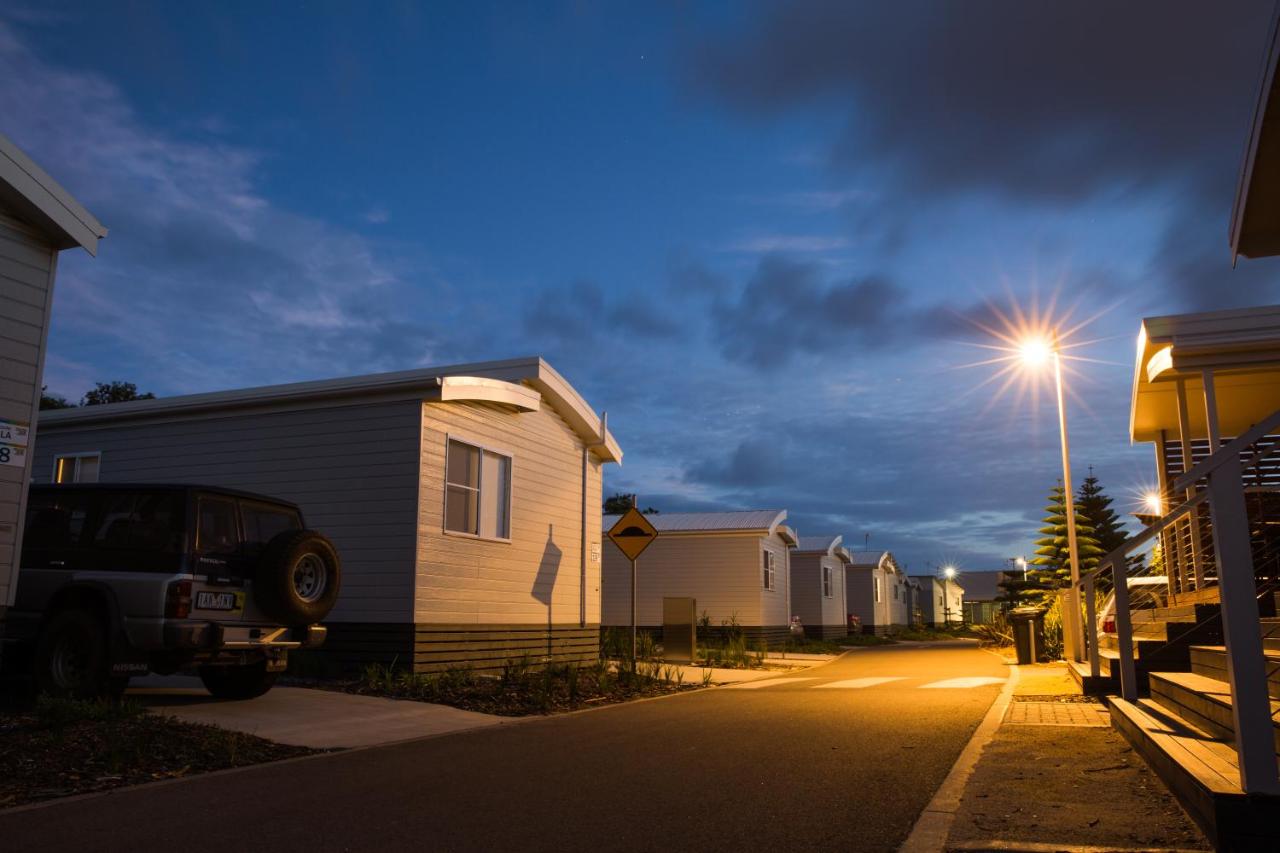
(840, 756)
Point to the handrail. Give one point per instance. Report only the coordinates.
(1157, 527)
(1230, 450)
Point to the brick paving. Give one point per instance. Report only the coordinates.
(1057, 714)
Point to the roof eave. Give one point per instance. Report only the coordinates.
(43, 202)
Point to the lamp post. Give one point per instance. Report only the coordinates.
(1022, 564)
(948, 572)
(1036, 352)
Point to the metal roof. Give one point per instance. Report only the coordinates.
(871, 559)
(679, 522)
(822, 544)
(532, 372)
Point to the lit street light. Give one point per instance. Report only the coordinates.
(948, 572)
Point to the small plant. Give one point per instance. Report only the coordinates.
(706, 678)
(646, 649)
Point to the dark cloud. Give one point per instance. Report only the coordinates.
(786, 308)
(578, 318)
(1048, 100)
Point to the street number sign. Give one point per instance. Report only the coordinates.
(12, 454)
(632, 533)
(14, 432)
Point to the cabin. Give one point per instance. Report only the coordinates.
(38, 220)
(735, 565)
(1192, 644)
(983, 596)
(941, 601)
(462, 499)
(876, 592)
(817, 586)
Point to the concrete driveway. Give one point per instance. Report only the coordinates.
(321, 719)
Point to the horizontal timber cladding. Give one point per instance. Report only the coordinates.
(539, 575)
(436, 647)
(826, 632)
(351, 467)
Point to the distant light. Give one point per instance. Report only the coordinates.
(1155, 506)
(1022, 563)
(1035, 352)
(949, 571)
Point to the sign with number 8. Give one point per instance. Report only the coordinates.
(11, 455)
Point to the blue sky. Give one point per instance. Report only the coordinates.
(758, 235)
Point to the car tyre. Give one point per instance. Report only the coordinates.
(237, 682)
(72, 660)
(298, 577)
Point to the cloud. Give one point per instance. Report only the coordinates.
(577, 318)
(804, 243)
(201, 271)
(1050, 100)
(377, 216)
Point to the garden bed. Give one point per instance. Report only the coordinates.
(521, 690)
(62, 747)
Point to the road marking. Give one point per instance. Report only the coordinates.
(979, 681)
(855, 683)
(770, 682)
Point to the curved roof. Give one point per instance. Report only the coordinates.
(873, 560)
(763, 520)
(518, 382)
(1240, 346)
(819, 544)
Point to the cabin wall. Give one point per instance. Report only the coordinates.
(27, 266)
(823, 616)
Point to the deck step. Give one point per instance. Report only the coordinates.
(1102, 685)
(1202, 773)
(1211, 661)
(1202, 701)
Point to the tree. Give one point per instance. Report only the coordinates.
(1095, 505)
(618, 503)
(53, 401)
(114, 392)
(1053, 555)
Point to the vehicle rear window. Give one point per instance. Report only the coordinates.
(263, 522)
(217, 532)
(56, 520)
(140, 521)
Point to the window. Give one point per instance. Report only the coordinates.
(877, 590)
(477, 491)
(826, 581)
(263, 522)
(895, 592)
(140, 521)
(81, 468)
(217, 533)
(55, 521)
(770, 562)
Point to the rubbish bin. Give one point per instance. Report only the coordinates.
(1028, 633)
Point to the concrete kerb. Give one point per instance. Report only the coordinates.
(929, 835)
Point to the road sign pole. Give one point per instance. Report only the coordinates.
(633, 615)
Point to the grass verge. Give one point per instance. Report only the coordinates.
(64, 746)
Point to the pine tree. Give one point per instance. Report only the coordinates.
(1095, 505)
(1053, 556)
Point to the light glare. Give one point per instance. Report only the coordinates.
(1035, 352)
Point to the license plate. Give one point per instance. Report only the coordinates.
(217, 601)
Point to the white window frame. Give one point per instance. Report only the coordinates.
(511, 475)
(828, 583)
(876, 579)
(75, 474)
(769, 574)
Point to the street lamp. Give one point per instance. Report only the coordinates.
(948, 572)
(1022, 564)
(1036, 352)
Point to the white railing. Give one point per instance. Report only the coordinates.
(1218, 482)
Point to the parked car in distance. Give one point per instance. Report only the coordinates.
(1145, 591)
(118, 580)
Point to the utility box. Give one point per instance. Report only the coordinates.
(679, 629)
(1028, 633)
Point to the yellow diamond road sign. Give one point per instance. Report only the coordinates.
(632, 533)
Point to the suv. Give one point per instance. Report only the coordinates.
(121, 580)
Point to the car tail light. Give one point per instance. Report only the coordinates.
(177, 600)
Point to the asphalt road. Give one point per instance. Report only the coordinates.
(803, 763)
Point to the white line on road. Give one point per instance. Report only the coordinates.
(855, 683)
(770, 682)
(980, 681)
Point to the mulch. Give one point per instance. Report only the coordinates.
(40, 762)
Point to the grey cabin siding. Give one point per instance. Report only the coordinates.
(353, 469)
(27, 265)
(823, 616)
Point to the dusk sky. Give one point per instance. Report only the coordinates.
(760, 236)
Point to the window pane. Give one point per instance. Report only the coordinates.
(460, 507)
(55, 521)
(87, 472)
(217, 532)
(495, 489)
(64, 470)
(158, 523)
(116, 523)
(263, 523)
(464, 464)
